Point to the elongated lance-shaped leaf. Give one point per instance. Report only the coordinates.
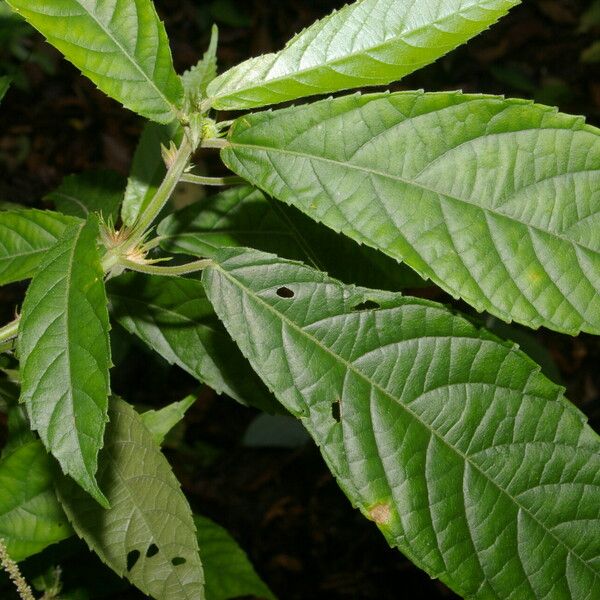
(26, 237)
(93, 191)
(148, 169)
(148, 534)
(196, 80)
(370, 42)
(65, 354)
(121, 45)
(495, 200)
(244, 216)
(228, 572)
(30, 516)
(451, 441)
(176, 320)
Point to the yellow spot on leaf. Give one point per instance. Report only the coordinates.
(380, 513)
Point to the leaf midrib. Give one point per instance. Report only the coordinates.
(332, 62)
(131, 59)
(408, 182)
(350, 367)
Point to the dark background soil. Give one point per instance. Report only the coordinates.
(281, 504)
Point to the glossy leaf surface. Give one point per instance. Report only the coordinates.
(121, 45)
(451, 441)
(495, 200)
(174, 318)
(370, 42)
(95, 191)
(65, 354)
(26, 237)
(30, 516)
(148, 534)
(244, 216)
(228, 572)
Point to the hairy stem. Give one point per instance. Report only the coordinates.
(11, 567)
(163, 193)
(174, 271)
(216, 181)
(9, 331)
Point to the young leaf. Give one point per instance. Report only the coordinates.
(27, 235)
(227, 570)
(65, 353)
(121, 46)
(450, 440)
(148, 534)
(30, 516)
(148, 169)
(244, 216)
(175, 319)
(95, 191)
(160, 422)
(370, 42)
(196, 80)
(495, 200)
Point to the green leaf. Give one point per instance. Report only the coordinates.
(65, 354)
(450, 440)
(196, 80)
(30, 516)
(121, 46)
(495, 200)
(148, 169)
(148, 534)
(160, 422)
(26, 236)
(174, 318)
(95, 191)
(370, 42)
(227, 570)
(244, 216)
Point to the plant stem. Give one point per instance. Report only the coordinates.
(201, 180)
(9, 331)
(214, 143)
(11, 567)
(174, 271)
(163, 193)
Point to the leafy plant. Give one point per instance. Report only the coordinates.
(450, 439)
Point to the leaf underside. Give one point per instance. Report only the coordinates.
(159, 422)
(494, 200)
(467, 458)
(148, 534)
(26, 237)
(244, 216)
(175, 319)
(370, 42)
(121, 45)
(65, 354)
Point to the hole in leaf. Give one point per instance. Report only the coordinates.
(152, 550)
(132, 558)
(178, 560)
(284, 292)
(336, 411)
(367, 305)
